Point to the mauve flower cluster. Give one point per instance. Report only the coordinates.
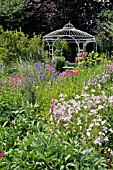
(98, 81)
(87, 114)
(17, 80)
(110, 67)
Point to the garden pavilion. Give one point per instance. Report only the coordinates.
(71, 35)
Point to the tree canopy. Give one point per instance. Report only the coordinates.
(43, 16)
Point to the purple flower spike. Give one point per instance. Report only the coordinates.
(30, 55)
(36, 66)
(41, 72)
(0, 65)
(27, 63)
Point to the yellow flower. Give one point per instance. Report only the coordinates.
(96, 54)
(36, 87)
(55, 83)
(109, 61)
(98, 58)
(92, 52)
(75, 70)
(49, 82)
(95, 57)
(80, 63)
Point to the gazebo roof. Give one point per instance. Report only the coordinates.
(68, 31)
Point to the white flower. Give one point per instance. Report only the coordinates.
(104, 121)
(112, 152)
(97, 124)
(106, 139)
(92, 90)
(100, 107)
(91, 125)
(98, 140)
(93, 111)
(77, 97)
(80, 127)
(109, 149)
(85, 107)
(100, 133)
(88, 134)
(86, 87)
(104, 128)
(98, 85)
(111, 130)
(79, 121)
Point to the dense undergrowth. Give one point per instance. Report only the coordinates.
(50, 120)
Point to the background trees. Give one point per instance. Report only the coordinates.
(47, 15)
(105, 31)
(44, 16)
(13, 14)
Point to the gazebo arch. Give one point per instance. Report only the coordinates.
(69, 34)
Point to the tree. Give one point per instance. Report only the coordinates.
(105, 31)
(49, 15)
(13, 14)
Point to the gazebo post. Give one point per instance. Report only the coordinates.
(52, 51)
(62, 48)
(78, 52)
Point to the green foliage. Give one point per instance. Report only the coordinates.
(62, 48)
(50, 150)
(29, 137)
(12, 14)
(9, 103)
(15, 45)
(60, 62)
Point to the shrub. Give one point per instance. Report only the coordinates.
(60, 62)
(15, 45)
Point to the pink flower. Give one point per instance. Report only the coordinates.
(2, 154)
(102, 32)
(17, 80)
(73, 73)
(64, 73)
(49, 67)
(76, 59)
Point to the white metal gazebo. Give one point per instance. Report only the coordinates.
(71, 35)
